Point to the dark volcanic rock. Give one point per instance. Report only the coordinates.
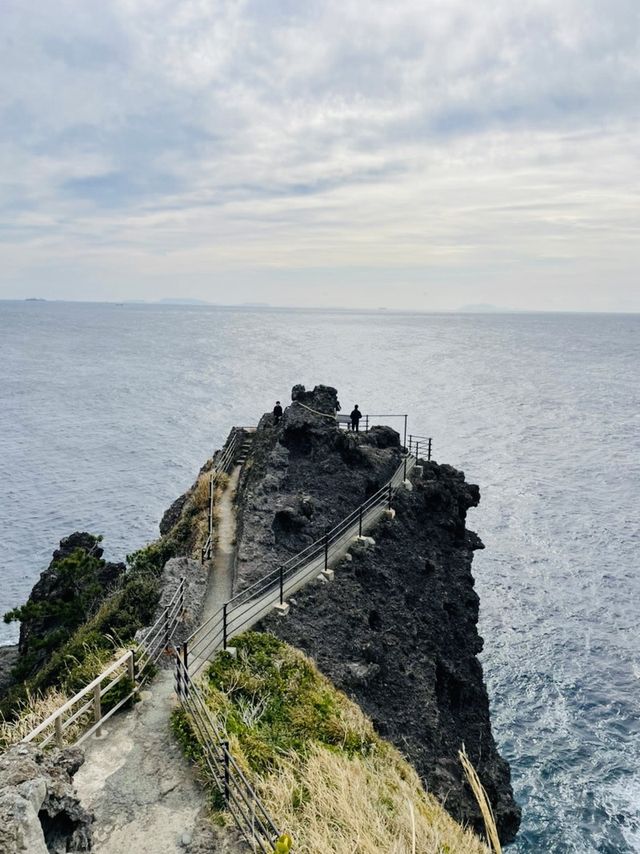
(303, 476)
(171, 516)
(397, 629)
(39, 810)
(8, 660)
(72, 586)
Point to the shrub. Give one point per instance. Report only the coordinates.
(315, 760)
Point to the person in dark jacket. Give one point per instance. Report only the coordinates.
(277, 412)
(355, 416)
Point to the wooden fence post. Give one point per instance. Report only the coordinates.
(97, 706)
(58, 729)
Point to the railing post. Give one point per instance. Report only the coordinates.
(360, 521)
(58, 728)
(405, 431)
(185, 661)
(429, 450)
(417, 450)
(326, 551)
(181, 596)
(167, 628)
(282, 585)
(211, 491)
(97, 706)
(225, 753)
(405, 467)
(366, 423)
(178, 676)
(410, 440)
(131, 667)
(224, 626)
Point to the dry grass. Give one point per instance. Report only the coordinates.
(199, 505)
(483, 801)
(332, 803)
(31, 712)
(200, 494)
(36, 707)
(324, 774)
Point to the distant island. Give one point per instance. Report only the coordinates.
(183, 301)
(35, 299)
(482, 308)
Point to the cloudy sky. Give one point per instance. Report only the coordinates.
(424, 154)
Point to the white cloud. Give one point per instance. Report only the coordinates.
(321, 152)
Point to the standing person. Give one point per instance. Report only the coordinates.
(355, 416)
(277, 413)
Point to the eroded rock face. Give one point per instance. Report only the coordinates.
(397, 631)
(397, 628)
(39, 810)
(195, 588)
(62, 599)
(303, 476)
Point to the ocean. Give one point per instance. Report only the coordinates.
(108, 411)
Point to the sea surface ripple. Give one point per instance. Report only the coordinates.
(107, 413)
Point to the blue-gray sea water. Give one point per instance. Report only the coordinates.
(107, 412)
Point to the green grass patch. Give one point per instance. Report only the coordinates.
(274, 701)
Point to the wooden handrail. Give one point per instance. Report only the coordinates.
(71, 703)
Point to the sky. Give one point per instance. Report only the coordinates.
(415, 155)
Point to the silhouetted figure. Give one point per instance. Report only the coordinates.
(355, 416)
(277, 412)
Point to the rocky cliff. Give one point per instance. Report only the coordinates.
(397, 628)
(39, 809)
(66, 594)
(302, 477)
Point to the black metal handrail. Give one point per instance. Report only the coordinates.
(240, 798)
(158, 636)
(223, 462)
(244, 609)
(417, 442)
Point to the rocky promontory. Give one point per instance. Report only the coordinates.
(397, 628)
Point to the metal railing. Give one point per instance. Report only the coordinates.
(222, 464)
(240, 613)
(135, 665)
(254, 602)
(240, 798)
(158, 636)
(419, 442)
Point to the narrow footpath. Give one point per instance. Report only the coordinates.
(220, 586)
(142, 790)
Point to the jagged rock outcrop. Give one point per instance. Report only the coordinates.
(67, 592)
(397, 629)
(195, 586)
(39, 810)
(8, 659)
(303, 477)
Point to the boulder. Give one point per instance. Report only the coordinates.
(39, 810)
(67, 592)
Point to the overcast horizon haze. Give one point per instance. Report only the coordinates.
(417, 155)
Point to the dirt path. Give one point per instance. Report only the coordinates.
(144, 793)
(219, 589)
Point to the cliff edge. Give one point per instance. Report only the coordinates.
(397, 628)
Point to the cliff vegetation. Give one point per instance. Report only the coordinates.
(84, 611)
(316, 760)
